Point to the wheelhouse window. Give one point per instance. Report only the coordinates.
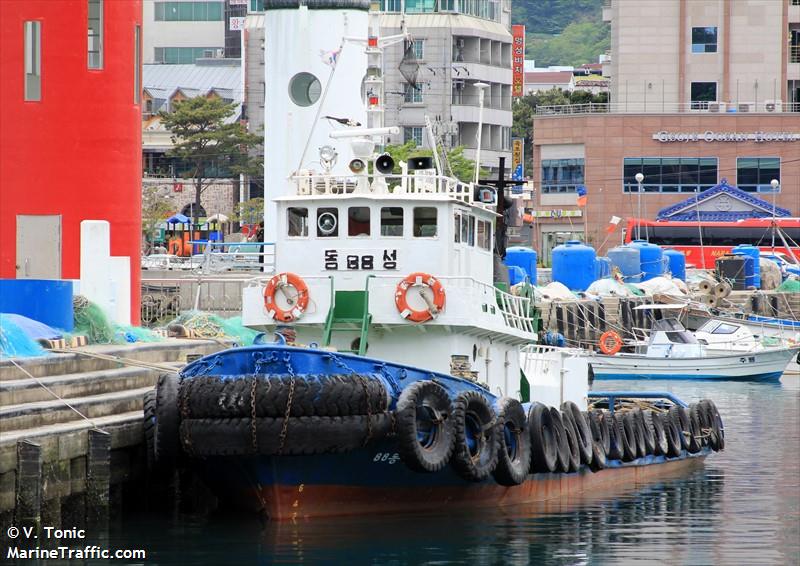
(484, 234)
(704, 40)
(754, 174)
(95, 34)
(297, 221)
(392, 221)
(358, 221)
(457, 228)
(464, 228)
(327, 222)
(424, 222)
(471, 232)
(33, 60)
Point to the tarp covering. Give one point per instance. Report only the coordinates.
(15, 342)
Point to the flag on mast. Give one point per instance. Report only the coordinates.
(613, 223)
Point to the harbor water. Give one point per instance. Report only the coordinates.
(741, 507)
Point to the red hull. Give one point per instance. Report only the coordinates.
(293, 502)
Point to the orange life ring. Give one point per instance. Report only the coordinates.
(610, 342)
(427, 280)
(297, 304)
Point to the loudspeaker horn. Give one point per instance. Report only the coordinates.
(384, 164)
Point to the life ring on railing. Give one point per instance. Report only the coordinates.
(610, 342)
(434, 308)
(297, 303)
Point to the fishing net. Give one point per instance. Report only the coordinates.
(207, 325)
(91, 321)
(409, 67)
(15, 343)
(789, 286)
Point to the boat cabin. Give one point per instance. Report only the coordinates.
(669, 339)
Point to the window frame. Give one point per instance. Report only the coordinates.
(412, 95)
(32, 59)
(414, 222)
(702, 104)
(704, 45)
(289, 224)
(350, 209)
(402, 222)
(629, 185)
(556, 186)
(100, 36)
(411, 129)
(748, 187)
(327, 209)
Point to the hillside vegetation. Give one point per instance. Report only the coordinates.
(562, 32)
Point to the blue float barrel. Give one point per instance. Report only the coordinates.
(525, 258)
(46, 300)
(752, 274)
(627, 260)
(651, 257)
(676, 262)
(573, 265)
(516, 274)
(602, 267)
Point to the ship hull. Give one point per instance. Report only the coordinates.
(299, 488)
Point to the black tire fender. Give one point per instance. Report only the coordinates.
(680, 419)
(514, 452)
(572, 442)
(599, 460)
(599, 425)
(166, 445)
(474, 418)
(673, 434)
(630, 442)
(656, 427)
(149, 428)
(714, 420)
(543, 442)
(560, 435)
(583, 431)
(424, 426)
(697, 440)
(616, 437)
(647, 433)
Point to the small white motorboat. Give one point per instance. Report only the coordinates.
(723, 351)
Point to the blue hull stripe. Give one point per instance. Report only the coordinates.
(772, 376)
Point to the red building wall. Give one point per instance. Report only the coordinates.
(77, 151)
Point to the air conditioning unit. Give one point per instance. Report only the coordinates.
(220, 53)
(744, 107)
(208, 53)
(773, 105)
(716, 107)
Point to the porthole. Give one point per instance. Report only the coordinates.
(304, 89)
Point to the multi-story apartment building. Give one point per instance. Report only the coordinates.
(182, 31)
(457, 44)
(701, 91)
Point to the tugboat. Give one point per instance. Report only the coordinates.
(401, 378)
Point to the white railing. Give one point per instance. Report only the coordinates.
(322, 184)
(516, 311)
(657, 106)
(217, 257)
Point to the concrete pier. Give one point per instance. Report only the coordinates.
(55, 462)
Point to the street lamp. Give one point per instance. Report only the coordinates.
(775, 185)
(639, 178)
(481, 93)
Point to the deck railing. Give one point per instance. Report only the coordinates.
(321, 184)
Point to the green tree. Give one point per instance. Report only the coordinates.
(204, 137)
(156, 207)
(462, 168)
(250, 211)
(552, 16)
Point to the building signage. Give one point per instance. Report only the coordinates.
(556, 213)
(354, 260)
(237, 23)
(711, 136)
(517, 151)
(518, 60)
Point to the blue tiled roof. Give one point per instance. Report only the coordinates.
(684, 210)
